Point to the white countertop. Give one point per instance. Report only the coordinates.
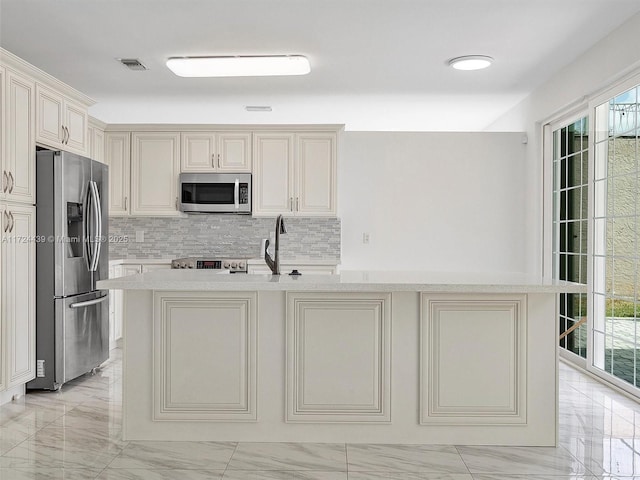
(348, 281)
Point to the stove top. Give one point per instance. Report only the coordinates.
(233, 265)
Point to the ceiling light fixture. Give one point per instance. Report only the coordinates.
(471, 62)
(240, 66)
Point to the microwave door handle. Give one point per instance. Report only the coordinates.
(86, 237)
(236, 194)
(96, 226)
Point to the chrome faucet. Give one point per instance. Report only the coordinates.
(274, 263)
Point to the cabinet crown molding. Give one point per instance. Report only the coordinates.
(185, 127)
(12, 61)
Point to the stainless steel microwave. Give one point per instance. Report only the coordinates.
(215, 193)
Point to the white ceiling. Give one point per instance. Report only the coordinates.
(376, 64)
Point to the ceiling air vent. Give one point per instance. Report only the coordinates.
(132, 63)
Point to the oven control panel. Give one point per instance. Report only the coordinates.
(233, 265)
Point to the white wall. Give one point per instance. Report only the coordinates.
(433, 201)
(615, 57)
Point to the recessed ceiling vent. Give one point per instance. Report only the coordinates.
(132, 63)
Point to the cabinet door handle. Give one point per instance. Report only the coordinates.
(297, 204)
(5, 181)
(12, 222)
(218, 160)
(6, 221)
(176, 203)
(213, 160)
(12, 182)
(291, 204)
(64, 135)
(125, 203)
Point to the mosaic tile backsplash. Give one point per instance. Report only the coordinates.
(222, 236)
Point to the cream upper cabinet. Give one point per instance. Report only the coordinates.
(155, 166)
(215, 152)
(315, 174)
(294, 174)
(18, 168)
(60, 122)
(273, 173)
(95, 145)
(118, 157)
(18, 294)
(5, 178)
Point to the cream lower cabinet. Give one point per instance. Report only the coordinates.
(155, 166)
(60, 122)
(116, 307)
(295, 174)
(116, 301)
(215, 152)
(18, 335)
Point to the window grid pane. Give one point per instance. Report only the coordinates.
(616, 238)
(570, 196)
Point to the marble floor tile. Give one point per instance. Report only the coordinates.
(502, 476)
(175, 455)
(54, 447)
(283, 475)
(91, 417)
(289, 456)
(150, 474)
(521, 460)
(407, 458)
(48, 474)
(76, 434)
(408, 476)
(606, 455)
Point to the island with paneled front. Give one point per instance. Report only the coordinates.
(375, 357)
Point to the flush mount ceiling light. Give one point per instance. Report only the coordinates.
(471, 62)
(258, 66)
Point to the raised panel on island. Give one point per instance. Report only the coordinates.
(338, 358)
(360, 357)
(204, 365)
(473, 365)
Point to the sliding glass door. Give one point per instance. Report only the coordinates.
(570, 226)
(616, 238)
(596, 235)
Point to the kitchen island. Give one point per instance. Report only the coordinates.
(376, 357)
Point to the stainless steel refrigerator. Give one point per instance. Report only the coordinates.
(72, 317)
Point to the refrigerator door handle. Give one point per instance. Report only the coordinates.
(89, 302)
(85, 229)
(97, 219)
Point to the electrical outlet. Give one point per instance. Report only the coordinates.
(365, 238)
